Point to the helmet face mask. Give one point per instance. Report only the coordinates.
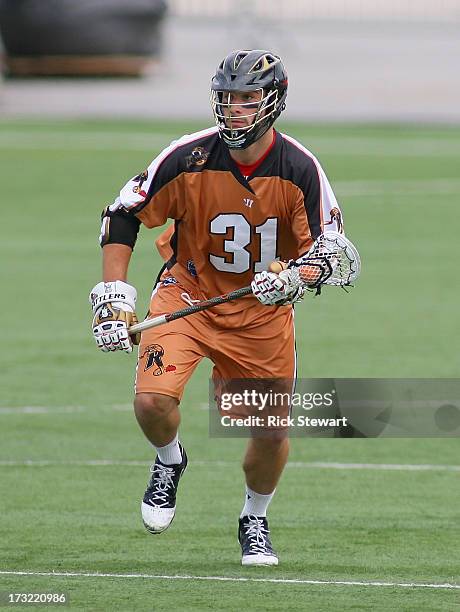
(256, 114)
(248, 72)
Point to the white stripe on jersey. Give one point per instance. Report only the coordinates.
(327, 197)
(128, 197)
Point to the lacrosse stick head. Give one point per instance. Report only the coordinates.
(332, 260)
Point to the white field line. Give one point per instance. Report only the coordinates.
(109, 141)
(397, 187)
(37, 410)
(322, 465)
(322, 145)
(41, 410)
(84, 140)
(364, 583)
(399, 467)
(31, 410)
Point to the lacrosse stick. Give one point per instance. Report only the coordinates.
(332, 260)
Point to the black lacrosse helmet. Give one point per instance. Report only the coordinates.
(244, 71)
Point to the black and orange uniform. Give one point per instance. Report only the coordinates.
(227, 227)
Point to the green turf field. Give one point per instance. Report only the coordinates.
(73, 464)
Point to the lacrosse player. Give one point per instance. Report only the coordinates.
(240, 195)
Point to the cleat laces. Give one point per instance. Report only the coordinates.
(162, 481)
(256, 533)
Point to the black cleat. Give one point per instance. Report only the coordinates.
(159, 504)
(254, 537)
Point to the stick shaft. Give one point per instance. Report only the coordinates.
(185, 312)
(234, 295)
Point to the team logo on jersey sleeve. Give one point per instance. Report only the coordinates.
(198, 157)
(336, 217)
(140, 180)
(154, 354)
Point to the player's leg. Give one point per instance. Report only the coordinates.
(158, 416)
(263, 465)
(168, 356)
(269, 355)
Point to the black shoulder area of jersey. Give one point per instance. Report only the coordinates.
(190, 155)
(287, 160)
(297, 166)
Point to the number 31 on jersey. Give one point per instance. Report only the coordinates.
(237, 246)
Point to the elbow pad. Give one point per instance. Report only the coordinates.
(118, 227)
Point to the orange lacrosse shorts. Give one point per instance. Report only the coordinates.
(169, 353)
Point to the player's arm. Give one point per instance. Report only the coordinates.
(315, 210)
(150, 198)
(115, 261)
(274, 287)
(113, 300)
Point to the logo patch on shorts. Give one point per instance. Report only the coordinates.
(154, 354)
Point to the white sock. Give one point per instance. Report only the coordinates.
(170, 454)
(256, 503)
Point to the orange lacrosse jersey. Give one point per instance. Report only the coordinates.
(227, 226)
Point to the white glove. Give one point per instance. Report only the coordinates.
(113, 306)
(272, 289)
